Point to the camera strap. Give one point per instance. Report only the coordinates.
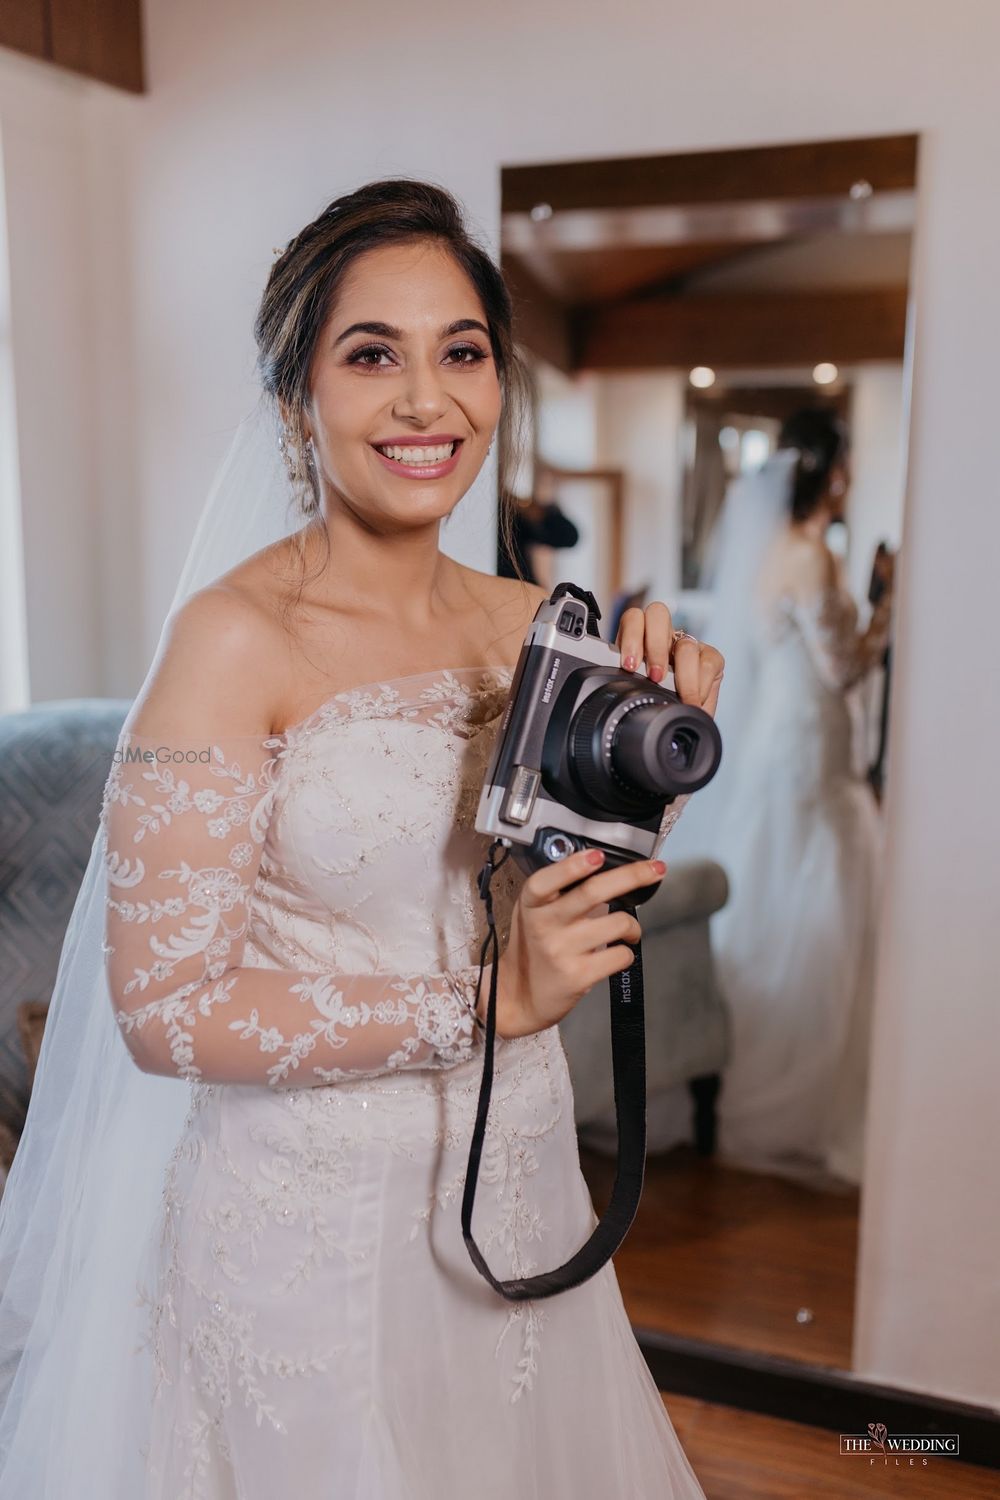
(628, 1058)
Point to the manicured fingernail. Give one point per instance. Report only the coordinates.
(656, 673)
(658, 866)
(629, 663)
(595, 856)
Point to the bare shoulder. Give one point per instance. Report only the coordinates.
(796, 565)
(219, 666)
(813, 567)
(509, 604)
(498, 592)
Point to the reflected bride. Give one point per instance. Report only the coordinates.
(800, 838)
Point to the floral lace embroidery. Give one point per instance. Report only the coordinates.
(508, 1159)
(670, 815)
(208, 826)
(220, 1350)
(828, 624)
(197, 1329)
(284, 1182)
(386, 700)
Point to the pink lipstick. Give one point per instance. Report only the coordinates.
(421, 470)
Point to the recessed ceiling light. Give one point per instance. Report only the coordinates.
(541, 211)
(825, 373)
(701, 377)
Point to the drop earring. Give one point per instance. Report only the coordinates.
(297, 464)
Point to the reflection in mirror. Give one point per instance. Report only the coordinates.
(719, 404)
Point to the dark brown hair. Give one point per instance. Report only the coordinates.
(821, 438)
(303, 285)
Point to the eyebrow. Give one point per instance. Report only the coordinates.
(387, 331)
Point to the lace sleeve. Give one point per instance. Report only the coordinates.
(671, 813)
(840, 653)
(183, 835)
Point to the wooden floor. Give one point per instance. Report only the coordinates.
(739, 1455)
(733, 1256)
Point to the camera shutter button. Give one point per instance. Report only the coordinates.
(558, 846)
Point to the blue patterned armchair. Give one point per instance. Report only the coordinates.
(54, 762)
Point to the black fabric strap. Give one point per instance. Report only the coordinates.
(628, 1056)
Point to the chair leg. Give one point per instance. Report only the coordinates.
(704, 1092)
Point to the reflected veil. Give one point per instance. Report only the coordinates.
(755, 510)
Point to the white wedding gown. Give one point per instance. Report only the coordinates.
(800, 838)
(314, 1324)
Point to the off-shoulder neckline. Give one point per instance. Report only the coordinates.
(435, 674)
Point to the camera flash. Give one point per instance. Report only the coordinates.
(520, 799)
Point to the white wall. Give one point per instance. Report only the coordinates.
(629, 421)
(567, 417)
(258, 114)
(15, 690)
(640, 420)
(878, 463)
(71, 391)
(50, 310)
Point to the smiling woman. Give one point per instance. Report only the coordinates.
(266, 1026)
(402, 230)
(409, 383)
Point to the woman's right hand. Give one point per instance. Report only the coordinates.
(885, 568)
(556, 951)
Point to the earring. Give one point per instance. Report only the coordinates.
(297, 464)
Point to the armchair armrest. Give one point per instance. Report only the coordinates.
(692, 889)
(687, 1024)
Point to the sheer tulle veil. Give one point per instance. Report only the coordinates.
(79, 1211)
(756, 508)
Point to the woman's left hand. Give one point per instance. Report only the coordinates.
(648, 636)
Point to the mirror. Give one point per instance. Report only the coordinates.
(719, 353)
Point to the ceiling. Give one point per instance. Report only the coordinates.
(772, 256)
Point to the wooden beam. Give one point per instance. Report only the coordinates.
(22, 27)
(743, 331)
(541, 322)
(775, 402)
(101, 38)
(807, 170)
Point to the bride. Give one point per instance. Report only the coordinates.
(230, 1256)
(794, 823)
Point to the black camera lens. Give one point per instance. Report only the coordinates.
(668, 747)
(679, 750)
(630, 746)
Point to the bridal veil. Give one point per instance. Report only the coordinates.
(83, 1196)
